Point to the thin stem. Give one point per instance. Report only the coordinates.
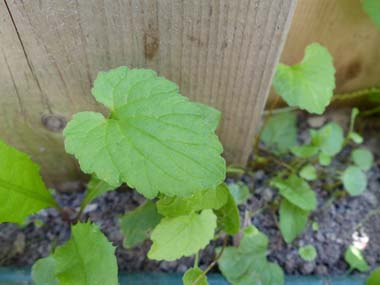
(274, 159)
(196, 260)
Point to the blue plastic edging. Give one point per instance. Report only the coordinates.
(9, 276)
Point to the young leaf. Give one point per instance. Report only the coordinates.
(96, 188)
(356, 138)
(21, 186)
(354, 180)
(280, 132)
(372, 8)
(308, 252)
(292, 220)
(239, 191)
(136, 225)
(308, 172)
(151, 131)
(315, 226)
(182, 236)
(324, 159)
(355, 259)
(304, 151)
(329, 139)
(43, 271)
(363, 158)
(297, 191)
(374, 278)
(247, 264)
(309, 84)
(206, 199)
(192, 275)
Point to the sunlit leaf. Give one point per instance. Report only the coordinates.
(308, 172)
(363, 158)
(374, 278)
(355, 259)
(308, 252)
(329, 138)
(354, 180)
(43, 272)
(192, 275)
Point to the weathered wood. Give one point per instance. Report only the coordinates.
(349, 34)
(220, 52)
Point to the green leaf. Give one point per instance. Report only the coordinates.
(372, 8)
(43, 272)
(293, 220)
(297, 191)
(308, 252)
(228, 215)
(308, 172)
(355, 259)
(309, 84)
(88, 258)
(96, 188)
(329, 139)
(280, 132)
(239, 191)
(356, 138)
(374, 278)
(137, 225)
(324, 159)
(21, 186)
(315, 226)
(247, 264)
(354, 180)
(304, 151)
(182, 236)
(206, 199)
(151, 132)
(363, 158)
(192, 275)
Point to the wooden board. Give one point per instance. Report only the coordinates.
(220, 52)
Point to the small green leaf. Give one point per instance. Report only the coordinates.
(43, 272)
(136, 225)
(228, 215)
(372, 8)
(21, 186)
(308, 252)
(309, 84)
(324, 159)
(304, 151)
(182, 236)
(363, 158)
(315, 226)
(308, 172)
(88, 258)
(206, 199)
(152, 130)
(192, 275)
(329, 139)
(356, 138)
(293, 220)
(355, 259)
(239, 191)
(297, 191)
(96, 188)
(374, 278)
(354, 180)
(280, 132)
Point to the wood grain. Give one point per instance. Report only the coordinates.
(220, 52)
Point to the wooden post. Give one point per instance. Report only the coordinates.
(220, 52)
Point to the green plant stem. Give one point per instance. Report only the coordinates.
(370, 112)
(277, 161)
(196, 260)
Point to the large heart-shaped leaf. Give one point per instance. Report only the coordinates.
(155, 139)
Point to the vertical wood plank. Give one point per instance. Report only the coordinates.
(220, 52)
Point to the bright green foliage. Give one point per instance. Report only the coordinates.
(324, 159)
(315, 226)
(296, 191)
(206, 199)
(43, 272)
(96, 188)
(247, 264)
(239, 191)
(363, 158)
(192, 275)
(329, 139)
(355, 259)
(355, 137)
(293, 220)
(308, 172)
(154, 139)
(182, 236)
(309, 84)
(304, 151)
(228, 215)
(354, 180)
(308, 253)
(372, 8)
(280, 132)
(136, 225)
(21, 186)
(374, 278)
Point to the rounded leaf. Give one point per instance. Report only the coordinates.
(308, 252)
(354, 180)
(363, 158)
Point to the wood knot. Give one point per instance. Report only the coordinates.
(54, 122)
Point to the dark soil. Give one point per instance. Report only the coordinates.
(340, 225)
